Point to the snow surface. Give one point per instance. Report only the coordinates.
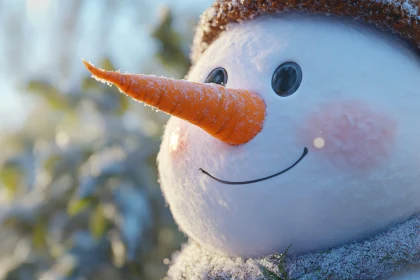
(376, 258)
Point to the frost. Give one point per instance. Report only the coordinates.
(408, 6)
(211, 12)
(378, 257)
(394, 15)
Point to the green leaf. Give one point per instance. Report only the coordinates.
(75, 207)
(282, 263)
(107, 64)
(171, 53)
(49, 93)
(51, 162)
(268, 274)
(11, 177)
(20, 270)
(89, 83)
(98, 222)
(124, 104)
(39, 234)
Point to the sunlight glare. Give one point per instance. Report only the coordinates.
(37, 9)
(174, 139)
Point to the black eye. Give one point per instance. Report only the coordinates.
(286, 79)
(218, 76)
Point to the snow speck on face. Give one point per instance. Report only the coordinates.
(319, 142)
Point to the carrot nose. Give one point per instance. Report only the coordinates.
(234, 116)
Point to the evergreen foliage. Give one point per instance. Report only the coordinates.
(78, 182)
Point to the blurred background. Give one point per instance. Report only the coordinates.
(79, 196)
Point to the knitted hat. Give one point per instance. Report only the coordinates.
(398, 16)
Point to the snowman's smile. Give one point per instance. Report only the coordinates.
(305, 152)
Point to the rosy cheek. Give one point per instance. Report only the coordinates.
(350, 134)
(177, 142)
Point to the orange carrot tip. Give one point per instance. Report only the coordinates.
(98, 73)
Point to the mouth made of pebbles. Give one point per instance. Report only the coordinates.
(377, 258)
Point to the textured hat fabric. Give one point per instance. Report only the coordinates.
(397, 16)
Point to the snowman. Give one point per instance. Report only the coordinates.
(297, 126)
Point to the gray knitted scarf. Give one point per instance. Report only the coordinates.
(376, 258)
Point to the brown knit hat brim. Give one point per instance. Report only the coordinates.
(397, 16)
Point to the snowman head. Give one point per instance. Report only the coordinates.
(325, 147)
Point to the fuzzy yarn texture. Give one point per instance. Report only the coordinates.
(397, 16)
(376, 258)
